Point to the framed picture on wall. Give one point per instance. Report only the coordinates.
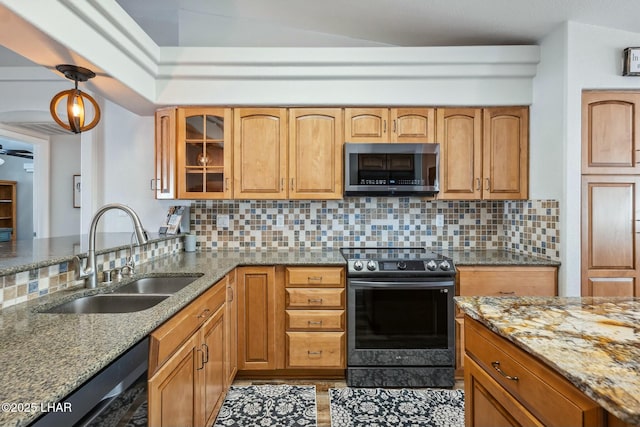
(77, 186)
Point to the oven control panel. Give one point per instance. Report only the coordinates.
(364, 266)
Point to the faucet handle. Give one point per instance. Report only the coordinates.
(79, 271)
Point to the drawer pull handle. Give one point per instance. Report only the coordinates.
(314, 279)
(496, 366)
(507, 293)
(314, 353)
(314, 300)
(315, 322)
(205, 313)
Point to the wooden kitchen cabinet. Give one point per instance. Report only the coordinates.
(186, 363)
(506, 386)
(231, 331)
(484, 153)
(610, 223)
(315, 153)
(390, 124)
(315, 318)
(610, 132)
(8, 210)
(260, 153)
(460, 138)
(499, 281)
(204, 153)
(260, 317)
(505, 162)
(164, 183)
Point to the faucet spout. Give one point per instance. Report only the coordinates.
(89, 273)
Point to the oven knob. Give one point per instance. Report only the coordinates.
(371, 265)
(444, 265)
(357, 265)
(401, 265)
(431, 265)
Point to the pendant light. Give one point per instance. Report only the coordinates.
(75, 99)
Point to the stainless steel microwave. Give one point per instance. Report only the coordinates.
(391, 169)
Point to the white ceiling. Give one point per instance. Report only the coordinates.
(285, 23)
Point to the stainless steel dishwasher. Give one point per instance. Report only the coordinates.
(98, 396)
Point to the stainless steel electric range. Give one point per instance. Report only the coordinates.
(400, 318)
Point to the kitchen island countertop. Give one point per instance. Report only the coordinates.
(593, 342)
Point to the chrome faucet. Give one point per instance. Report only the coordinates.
(89, 272)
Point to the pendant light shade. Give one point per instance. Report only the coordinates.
(75, 100)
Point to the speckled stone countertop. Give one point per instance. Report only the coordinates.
(593, 342)
(495, 257)
(44, 357)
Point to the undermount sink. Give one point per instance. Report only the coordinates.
(157, 285)
(108, 303)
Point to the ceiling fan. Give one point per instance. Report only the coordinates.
(17, 153)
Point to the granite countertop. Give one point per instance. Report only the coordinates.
(495, 257)
(44, 356)
(593, 342)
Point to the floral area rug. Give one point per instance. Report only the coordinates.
(376, 407)
(269, 406)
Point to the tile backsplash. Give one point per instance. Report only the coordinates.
(29, 284)
(529, 226)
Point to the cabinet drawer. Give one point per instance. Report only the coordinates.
(166, 339)
(315, 319)
(507, 281)
(314, 276)
(315, 349)
(318, 298)
(551, 398)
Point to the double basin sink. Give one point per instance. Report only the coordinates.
(137, 295)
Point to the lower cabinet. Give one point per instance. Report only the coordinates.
(500, 281)
(505, 386)
(187, 375)
(231, 329)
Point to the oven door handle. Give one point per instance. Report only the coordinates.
(399, 285)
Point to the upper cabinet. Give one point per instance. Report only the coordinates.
(610, 132)
(389, 125)
(315, 153)
(204, 152)
(164, 183)
(484, 153)
(260, 158)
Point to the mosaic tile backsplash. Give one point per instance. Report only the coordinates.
(30, 284)
(529, 226)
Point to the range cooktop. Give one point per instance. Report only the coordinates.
(396, 261)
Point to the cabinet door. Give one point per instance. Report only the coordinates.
(460, 138)
(258, 316)
(165, 145)
(506, 153)
(173, 390)
(260, 153)
(231, 325)
(610, 132)
(315, 153)
(204, 153)
(609, 241)
(488, 404)
(213, 371)
(413, 125)
(366, 125)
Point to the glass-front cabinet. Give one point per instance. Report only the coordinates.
(204, 153)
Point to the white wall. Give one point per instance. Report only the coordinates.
(547, 130)
(65, 162)
(125, 160)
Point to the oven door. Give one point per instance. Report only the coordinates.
(400, 322)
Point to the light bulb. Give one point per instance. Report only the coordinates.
(76, 110)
